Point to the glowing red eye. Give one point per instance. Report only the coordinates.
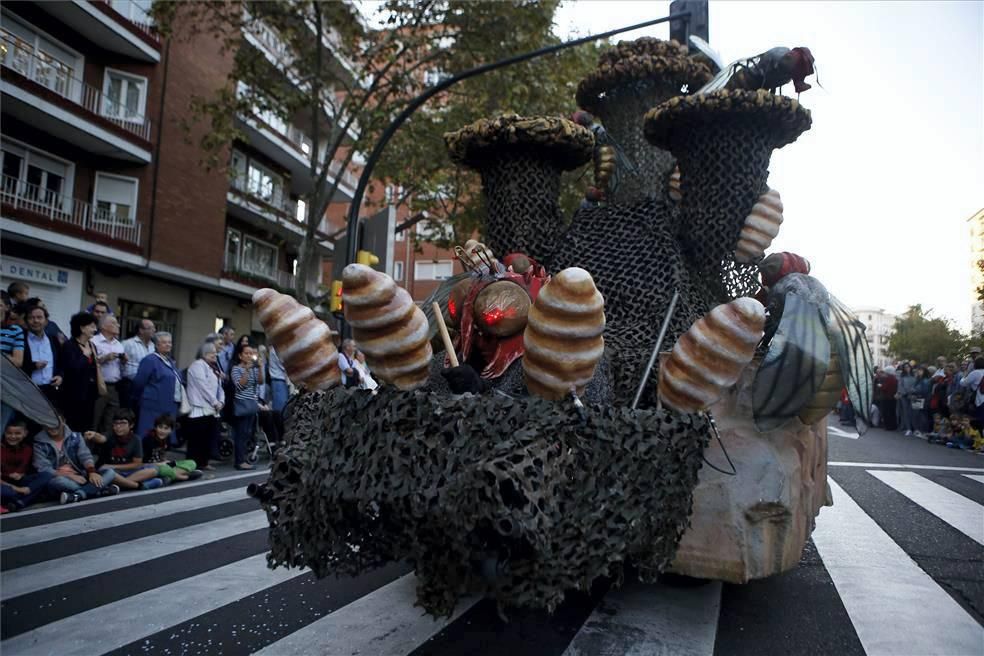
(452, 309)
(493, 316)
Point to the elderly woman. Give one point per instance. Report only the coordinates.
(80, 373)
(156, 389)
(206, 398)
(347, 364)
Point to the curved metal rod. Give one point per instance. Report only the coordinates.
(353, 215)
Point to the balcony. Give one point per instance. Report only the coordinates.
(43, 92)
(272, 212)
(254, 278)
(101, 23)
(34, 204)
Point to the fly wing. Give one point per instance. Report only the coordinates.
(720, 80)
(705, 49)
(847, 335)
(794, 364)
(441, 295)
(20, 393)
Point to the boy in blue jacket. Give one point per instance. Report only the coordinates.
(64, 453)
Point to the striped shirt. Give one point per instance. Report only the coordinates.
(247, 391)
(11, 339)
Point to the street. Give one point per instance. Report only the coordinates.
(896, 566)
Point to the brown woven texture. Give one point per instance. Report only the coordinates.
(567, 144)
(518, 499)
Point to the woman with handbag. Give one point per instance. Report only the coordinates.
(80, 374)
(247, 376)
(206, 398)
(156, 389)
(346, 362)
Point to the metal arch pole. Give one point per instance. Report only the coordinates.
(377, 151)
(655, 354)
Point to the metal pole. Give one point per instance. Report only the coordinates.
(659, 342)
(377, 151)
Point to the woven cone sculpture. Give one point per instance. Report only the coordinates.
(563, 335)
(388, 327)
(303, 341)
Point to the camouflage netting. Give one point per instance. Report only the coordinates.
(516, 498)
(520, 160)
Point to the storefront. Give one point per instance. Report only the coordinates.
(59, 287)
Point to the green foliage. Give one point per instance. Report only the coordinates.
(343, 82)
(919, 336)
(980, 290)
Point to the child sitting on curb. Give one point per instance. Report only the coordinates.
(155, 445)
(19, 488)
(124, 452)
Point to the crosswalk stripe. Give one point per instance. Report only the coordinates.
(384, 622)
(88, 563)
(979, 479)
(956, 510)
(147, 495)
(70, 527)
(887, 465)
(884, 591)
(651, 619)
(136, 617)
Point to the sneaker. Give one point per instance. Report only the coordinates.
(3, 510)
(15, 506)
(244, 466)
(918, 434)
(207, 468)
(70, 497)
(908, 433)
(151, 484)
(192, 475)
(110, 490)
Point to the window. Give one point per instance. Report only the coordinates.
(219, 322)
(115, 199)
(433, 270)
(401, 235)
(301, 215)
(36, 176)
(249, 255)
(40, 58)
(398, 271)
(133, 312)
(124, 96)
(137, 11)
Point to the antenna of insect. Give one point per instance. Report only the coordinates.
(466, 262)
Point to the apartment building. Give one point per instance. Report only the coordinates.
(975, 225)
(103, 190)
(879, 326)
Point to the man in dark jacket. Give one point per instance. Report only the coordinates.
(41, 353)
(66, 456)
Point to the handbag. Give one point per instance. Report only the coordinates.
(918, 404)
(185, 408)
(245, 407)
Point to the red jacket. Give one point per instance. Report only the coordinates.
(15, 460)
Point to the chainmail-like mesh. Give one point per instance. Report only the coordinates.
(519, 499)
(521, 191)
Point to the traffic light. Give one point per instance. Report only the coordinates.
(367, 258)
(336, 305)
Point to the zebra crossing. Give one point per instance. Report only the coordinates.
(894, 567)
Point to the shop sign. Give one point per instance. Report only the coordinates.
(36, 273)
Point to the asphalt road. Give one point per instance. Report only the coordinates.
(896, 566)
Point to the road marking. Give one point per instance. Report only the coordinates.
(385, 621)
(143, 493)
(839, 432)
(956, 510)
(70, 527)
(651, 619)
(134, 618)
(979, 479)
(49, 573)
(886, 465)
(884, 591)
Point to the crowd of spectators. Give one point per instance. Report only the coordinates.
(127, 408)
(941, 402)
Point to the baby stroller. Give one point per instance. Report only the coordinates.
(257, 441)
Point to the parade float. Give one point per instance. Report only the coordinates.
(527, 440)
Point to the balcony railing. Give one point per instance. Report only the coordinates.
(275, 200)
(49, 72)
(282, 279)
(136, 16)
(58, 207)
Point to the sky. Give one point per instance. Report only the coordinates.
(877, 194)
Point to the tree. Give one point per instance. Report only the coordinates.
(919, 336)
(347, 81)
